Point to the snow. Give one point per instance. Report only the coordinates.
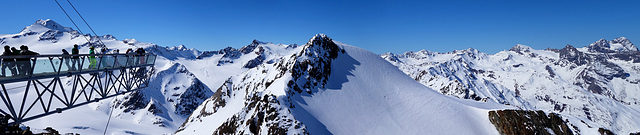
(371, 104)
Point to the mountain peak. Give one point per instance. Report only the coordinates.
(626, 44)
(319, 38)
(257, 42)
(621, 44)
(180, 47)
(569, 47)
(520, 48)
(320, 35)
(602, 40)
(50, 24)
(620, 39)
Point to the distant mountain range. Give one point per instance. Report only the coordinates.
(596, 85)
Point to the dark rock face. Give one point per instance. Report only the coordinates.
(267, 116)
(550, 70)
(601, 45)
(256, 61)
(26, 33)
(627, 56)
(520, 49)
(603, 131)
(51, 35)
(599, 71)
(229, 54)
(316, 68)
(521, 122)
(571, 54)
(620, 44)
(192, 97)
(249, 48)
(134, 101)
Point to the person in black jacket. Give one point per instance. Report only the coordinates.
(8, 62)
(66, 58)
(140, 52)
(15, 51)
(75, 59)
(24, 66)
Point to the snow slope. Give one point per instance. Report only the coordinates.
(347, 90)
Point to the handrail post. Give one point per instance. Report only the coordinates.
(99, 63)
(155, 57)
(60, 66)
(32, 66)
(81, 64)
(126, 64)
(115, 59)
(52, 65)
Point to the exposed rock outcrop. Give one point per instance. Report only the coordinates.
(521, 122)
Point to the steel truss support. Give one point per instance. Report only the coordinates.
(46, 96)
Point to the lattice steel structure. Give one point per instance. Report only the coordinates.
(47, 84)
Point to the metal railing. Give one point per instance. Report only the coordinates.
(47, 66)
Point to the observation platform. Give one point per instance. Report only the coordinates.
(39, 85)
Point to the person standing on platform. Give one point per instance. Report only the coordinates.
(130, 57)
(141, 54)
(24, 62)
(92, 58)
(66, 58)
(75, 59)
(103, 57)
(115, 58)
(8, 62)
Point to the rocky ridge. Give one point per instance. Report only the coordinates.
(265, 113)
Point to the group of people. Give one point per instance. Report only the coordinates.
(104, 60)
(75, 59)
(19, 66)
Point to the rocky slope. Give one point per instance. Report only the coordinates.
(520, 122)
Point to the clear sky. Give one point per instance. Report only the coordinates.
(379, 26)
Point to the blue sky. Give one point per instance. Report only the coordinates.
(379, 26)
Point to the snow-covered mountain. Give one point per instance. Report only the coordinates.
(597, 84)
(326, 87)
